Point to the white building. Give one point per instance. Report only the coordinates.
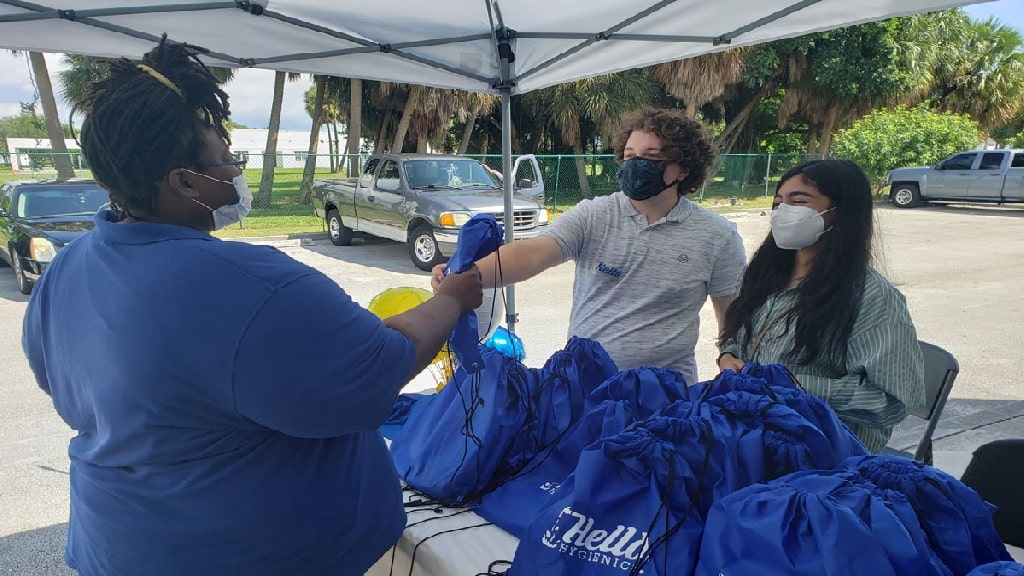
(292, 146)
(245, 143)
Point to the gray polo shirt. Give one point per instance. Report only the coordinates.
(639, 288)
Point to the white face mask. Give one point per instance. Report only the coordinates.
(229, 214)
(796, 227)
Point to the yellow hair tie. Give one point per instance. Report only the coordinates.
(162, 79)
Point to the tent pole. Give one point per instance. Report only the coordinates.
(507, 182)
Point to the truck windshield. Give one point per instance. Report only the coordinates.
(426, 174)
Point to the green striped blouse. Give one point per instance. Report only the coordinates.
(883, 376)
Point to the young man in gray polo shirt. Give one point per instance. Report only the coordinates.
(646, 258)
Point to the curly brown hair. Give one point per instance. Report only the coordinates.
(684, 141)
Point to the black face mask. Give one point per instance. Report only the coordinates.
(642, 178)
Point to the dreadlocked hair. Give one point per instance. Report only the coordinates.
(137, 127)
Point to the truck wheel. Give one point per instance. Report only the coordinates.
(423, 248)
(905, 196)
(340, 234)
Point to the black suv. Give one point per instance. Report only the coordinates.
(39, 217)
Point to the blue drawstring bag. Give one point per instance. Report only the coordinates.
(478, 237)
(917, 558)
(769, 438)
(998, 569)
(513, 505)
(957, 522)
(452, 448)
(788, 441)
(821, 526)
(559, 399)
(404, 407)
(631, 506)
(776, 381)
(646, 389)
(774, 375)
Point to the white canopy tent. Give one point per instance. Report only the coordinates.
(502, 47)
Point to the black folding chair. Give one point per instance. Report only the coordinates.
(940, 370)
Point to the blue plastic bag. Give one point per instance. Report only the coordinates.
(477, 238)
(452, 448)
(633, 504)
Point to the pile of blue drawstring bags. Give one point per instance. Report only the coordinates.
(600, 471)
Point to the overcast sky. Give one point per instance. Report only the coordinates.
(252, 90)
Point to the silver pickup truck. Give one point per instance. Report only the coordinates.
(423, 200)
(993, 176)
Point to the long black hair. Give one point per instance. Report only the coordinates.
(139, 125)
(828, 299)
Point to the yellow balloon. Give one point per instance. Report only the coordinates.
(395, 301)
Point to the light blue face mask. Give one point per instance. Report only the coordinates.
(229, 214)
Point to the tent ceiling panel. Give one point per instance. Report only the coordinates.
(448, 43)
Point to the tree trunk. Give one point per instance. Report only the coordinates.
(355, 126)
(339, 159)
(826, 130)
(403, 124)
(378, 142)
(265, 195)
(330, 148)
(812, 139)
(467, 132)
(306, 188)
(740, 119)
(421, 145)
(61, 159)
(581, 169)
(691, 108)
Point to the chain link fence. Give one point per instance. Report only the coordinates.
(567, 178)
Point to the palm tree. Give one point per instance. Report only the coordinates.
(479, 104)
(697, 81)
(326, 89)
(354, 125)
(984, 76)
(61, 159)
(265, 194)
(599, 101)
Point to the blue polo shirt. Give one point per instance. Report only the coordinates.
(226, 400)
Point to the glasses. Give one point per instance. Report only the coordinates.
(240, 164)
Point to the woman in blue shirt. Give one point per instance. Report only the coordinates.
(811, 300)
(225, 397)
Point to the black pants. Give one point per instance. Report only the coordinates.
(996, 472)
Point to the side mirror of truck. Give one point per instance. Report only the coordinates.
(524, 183)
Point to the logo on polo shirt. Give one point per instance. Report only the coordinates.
(683, 258)
(609, 270)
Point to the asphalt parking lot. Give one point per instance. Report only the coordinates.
(961, 269)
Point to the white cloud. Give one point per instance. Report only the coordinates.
(251, 93)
